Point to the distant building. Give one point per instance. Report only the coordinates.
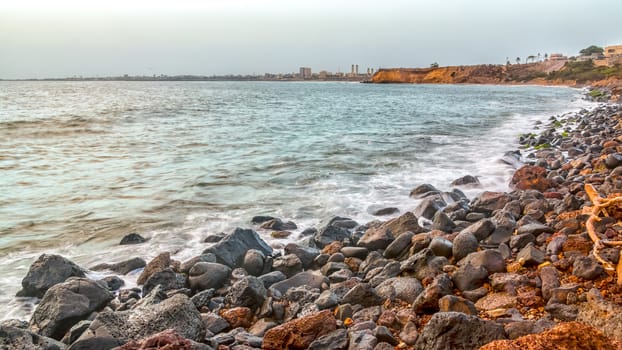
(305, 73)
(557, 57)
(324, 74)
(357, 70)
(611, 56)
(613, 51)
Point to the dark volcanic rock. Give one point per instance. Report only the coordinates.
(127, 266)
(455, 330)
(450, 303)
(481, 229)
(530, 255)
(253, 262)
(47, 271)
(310, 279)
(159, 263)
(132, 238)
(362, 294)
(260, 219)
(18, 338)
(587, 268)
(488, 202)
(289, 264)
(380, 236)
(428, 299)
(464, 244)
(330, 234)
(205, 275)
(399, 245)
(271, 278)
(491, 259)
(429, 206)
(278, 225)
(249, 292)
(422, 190)
(469, 277)
(335, 340)
(467, 180)
(442, 222)
(167, 279)
(66, 304)
(305, 254)
(231, 250)
(441, 247)
(403, 288)
(383, 211)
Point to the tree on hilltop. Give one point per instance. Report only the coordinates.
(591, 49)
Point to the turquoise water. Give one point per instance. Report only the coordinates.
(84, 163)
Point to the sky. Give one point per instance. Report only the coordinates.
(65, 38)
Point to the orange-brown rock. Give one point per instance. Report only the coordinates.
(530, 177)
(567, 336)
(577, 243)
(238, 317)
(299, 333)
(332, 248)
(165, 340)
(158, 263)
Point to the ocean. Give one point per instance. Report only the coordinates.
(84, 163)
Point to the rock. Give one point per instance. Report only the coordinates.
(455, 330)
(271, 278)
(562, 312)
(464, 244)
(330, 234)
(364, 340)
(249, 292)
(450, 303)
(177, 312)
(587, 268)
(507, 282)
(362, 294)
(253, 262)
(167, 279)
(382, 211)
(96, 343)
(428, 299)
(335, 340)
(491, 259)
(332, 267)
(442, 222)
(168, 339)
(76, 331)
(261, 327)
(47, 271)
(423, 264)
(355, 252)
(385, 232)
(127, 266)
(403, 288)
(311, 279)
(383, 334)
(67, 303)
(428, 207)
(550, 280)
(340, 276)
(495, 301)
(520, 241)
(238, 317)
(613, 160)
(202, 298)
(204, 275)
(530, 255)
(409, 333)
(481, 229)
(469, 277)
(158, 263)
(376, 238)
(18, 338)
(441, 247)
(601, 314)
(187, 265)
(366, 318)
(530, 177)
(132, 238)
(568, 336)
(488, 201)
(289, 264)
(278, 225)
(399, 245)
(305, 254)
(327, 300)
(467, 180)
(215, 238)
(260, 219)
(231, 250)
(422, 190)
(301, 332)
(113, 282)
(534, 229)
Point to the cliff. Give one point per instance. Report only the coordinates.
(477, 74)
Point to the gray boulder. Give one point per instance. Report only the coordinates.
(399, 246)
(335, 340)
(231, 250)
(305, 254)
(362, 294)
(22, 339)
(491, 259)
(429, 206)
(166, 278)
(329, 234)
(403, 288)
(177, 313)
(46, 271)
(428, 299)
(455, 330)
(310, 279)
(253, 262)
(464, 244)
(66, 304)
(204, 275)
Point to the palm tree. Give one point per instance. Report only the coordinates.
(517, 60)
(507, 61)
(539, 57)
(546, 56)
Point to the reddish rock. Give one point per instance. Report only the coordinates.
(238, 317)
(577, 243)
(568, 336)
(333, 248)
(554, 195)
(158, 263)
(299, 333)
(530, 177)
(166, 340)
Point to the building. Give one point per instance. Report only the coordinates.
(613, 51)
(305, 73)
(557, 57)
(612, 56)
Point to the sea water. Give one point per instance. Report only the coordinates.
(84, 163)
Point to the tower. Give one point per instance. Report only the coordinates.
(357, 69)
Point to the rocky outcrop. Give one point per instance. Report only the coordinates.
(231, 250)
(46, 271)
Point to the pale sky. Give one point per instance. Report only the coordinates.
(62, 38)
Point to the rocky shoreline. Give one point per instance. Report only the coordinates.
(500, 271)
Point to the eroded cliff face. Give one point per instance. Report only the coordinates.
(478, 74)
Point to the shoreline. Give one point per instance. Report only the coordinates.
(428, 268)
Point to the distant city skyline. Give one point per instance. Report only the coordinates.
(63, 38)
